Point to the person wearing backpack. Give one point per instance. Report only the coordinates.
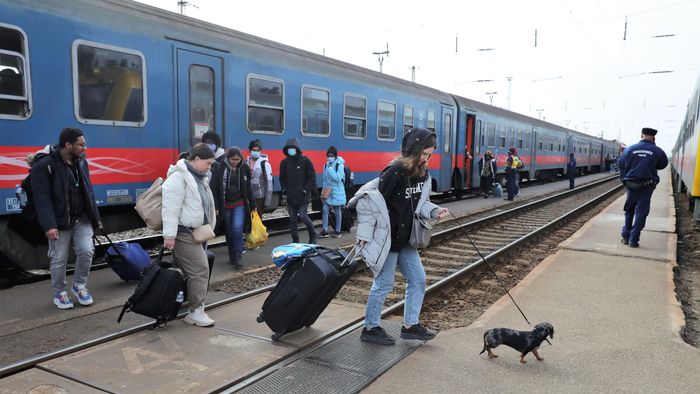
(61, 192)
(298, 182)
(261, 176)
(188, 206)
(333, 192)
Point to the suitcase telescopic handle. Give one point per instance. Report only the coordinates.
(104, 233)
(356, 251)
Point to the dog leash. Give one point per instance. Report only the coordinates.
(494, 272)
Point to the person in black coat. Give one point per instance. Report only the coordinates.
(298, 182)
(487, 172)
(233, 198)
(571, 170)
(66, 209)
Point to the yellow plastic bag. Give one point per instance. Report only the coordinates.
(258, 232)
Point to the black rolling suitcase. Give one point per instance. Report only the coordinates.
(346, 223)
(306, 288)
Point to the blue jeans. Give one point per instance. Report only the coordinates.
(412, 269)
(637, 207)
(81, 238)
(233, 220)
(338, 209)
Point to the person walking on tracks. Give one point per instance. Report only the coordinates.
(298, 182)
(261, 176)
(638, 165)
(571, 170)
(65, 206)
(230, 185)
(188, 204)
(333, 194)
(401, 185)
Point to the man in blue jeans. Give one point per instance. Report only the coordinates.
(65, 206)
(639, 164)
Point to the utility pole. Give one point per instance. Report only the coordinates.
(539, 113)
(182, 4)
(509, 83)
(491, 94)
(381, 56)
(413, 73)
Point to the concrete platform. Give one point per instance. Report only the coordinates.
(614, 311)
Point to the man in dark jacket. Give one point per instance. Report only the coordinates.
(639, 164)
(298, 182)
(65, 205)
(487, 172)
(571, 170)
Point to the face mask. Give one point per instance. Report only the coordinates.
(212, 147)
(291, 151)
(330, 159)
(255, 154)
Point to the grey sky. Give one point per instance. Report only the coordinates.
(581, 74)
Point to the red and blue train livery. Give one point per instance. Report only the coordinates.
(144, 84)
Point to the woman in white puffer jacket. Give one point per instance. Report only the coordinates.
(187, 204)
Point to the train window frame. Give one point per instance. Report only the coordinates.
(431, 114)
(27, 80)
(195, 134)
(76, 84)
(379, 102)
(447, 131)
(491, 134)
(501, 136)
(248, 104)
(301, 116)
(353, 119)
(408, 126)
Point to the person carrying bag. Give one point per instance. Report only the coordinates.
(188, 219)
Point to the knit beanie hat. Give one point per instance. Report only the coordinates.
(332, 151)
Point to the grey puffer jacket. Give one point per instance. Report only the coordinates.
(373, 225)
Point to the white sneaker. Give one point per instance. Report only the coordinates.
(199, 318)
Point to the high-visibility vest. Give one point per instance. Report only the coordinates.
(515, 163)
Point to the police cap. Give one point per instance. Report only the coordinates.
(649, 131)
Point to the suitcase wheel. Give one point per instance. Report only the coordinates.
(276, 337)
(259, 319)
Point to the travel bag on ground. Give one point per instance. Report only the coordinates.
(306, 288)
(497, 190)
(126, 259)
(159, 294)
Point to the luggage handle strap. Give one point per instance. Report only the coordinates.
(104, 233)
(356, 251)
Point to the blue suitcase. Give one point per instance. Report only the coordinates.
(126, 259)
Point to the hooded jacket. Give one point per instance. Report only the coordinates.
(261, 181)
(297, 176)
(50, 190)
(221, 180)
(334, 177)
(182, 203)
(373, 225)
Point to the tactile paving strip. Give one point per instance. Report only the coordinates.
(344, 366)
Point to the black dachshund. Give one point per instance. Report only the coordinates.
(522, 341)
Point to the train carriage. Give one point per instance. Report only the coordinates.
(144, 84)
(685, 162)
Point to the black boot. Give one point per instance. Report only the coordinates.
(313, 237)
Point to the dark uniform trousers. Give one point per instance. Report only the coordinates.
(511, 185)
(636, 208)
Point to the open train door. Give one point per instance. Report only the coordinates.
(469, 152)
(199, 96)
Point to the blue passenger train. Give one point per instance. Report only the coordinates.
(144, 84)
(685, 162)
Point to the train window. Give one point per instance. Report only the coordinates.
(526, 142)
(447, 127)
(355, 117)
(15, 99)
(386, 120)
(315, 111)
(265, 105)
(480, 135)
(201, 88)
(431, 121)
(407, 118)
(520, 139)
(491, 131)
(501, 136)
(108, 84)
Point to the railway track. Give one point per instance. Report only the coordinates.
(449, 258)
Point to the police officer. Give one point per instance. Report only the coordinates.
(638, 165)
(513, 165)
(571, 170)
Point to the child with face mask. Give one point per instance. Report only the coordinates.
(261, 177)
(333, 194)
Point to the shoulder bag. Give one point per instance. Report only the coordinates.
(421, 229)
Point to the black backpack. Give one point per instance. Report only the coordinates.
(28, 209)
(349, 176)
(159, 294)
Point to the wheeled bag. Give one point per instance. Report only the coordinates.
(347, 221)
(306, 288)
(126, 259)
(159, 294)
